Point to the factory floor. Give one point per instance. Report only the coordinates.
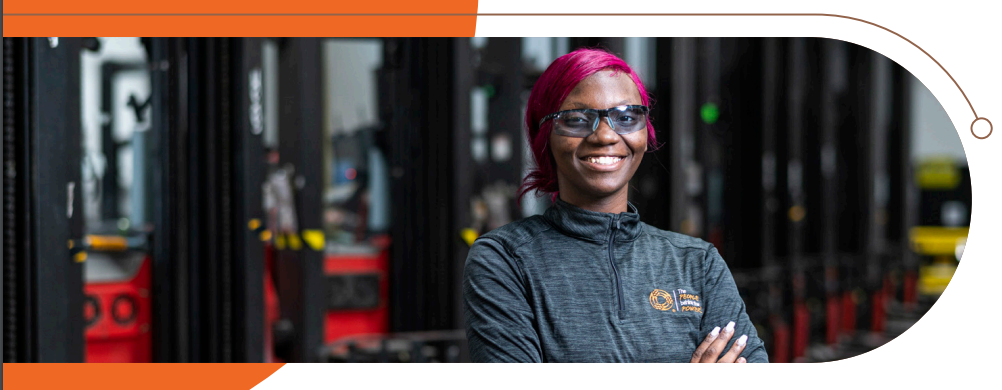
(898, 321)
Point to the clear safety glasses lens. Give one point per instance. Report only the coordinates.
(581, 123)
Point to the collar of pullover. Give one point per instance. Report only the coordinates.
(594, 226)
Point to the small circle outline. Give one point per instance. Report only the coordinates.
(133, 309)
(93, 302)
(990, 127)
(663, 294)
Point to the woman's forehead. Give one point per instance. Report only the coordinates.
(603, 90)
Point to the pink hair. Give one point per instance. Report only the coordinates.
(549, 92)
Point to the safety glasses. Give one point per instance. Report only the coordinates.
(581, 123)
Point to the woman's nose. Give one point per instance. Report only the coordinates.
(604, 134)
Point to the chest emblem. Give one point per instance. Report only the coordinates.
(662, 300)
(689, 301)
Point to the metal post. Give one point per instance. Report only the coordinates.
(902, 210)
(44, 133)
(55, 103)
(708, 145)
(856, 184)
(248, 175)
(417, 105)
(109, 148)
(771, 71)
(300, 272)
(792, 181)
(653, 179)
(681, 134)
(10, 233)
(834, 85)
(169, 242)
(502, 67)
(462, 182)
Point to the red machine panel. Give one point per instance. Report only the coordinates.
(117, 308)
(357, 293)
(272, 306)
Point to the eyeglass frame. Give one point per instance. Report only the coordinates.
(601, 114)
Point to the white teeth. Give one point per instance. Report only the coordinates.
(605, 160)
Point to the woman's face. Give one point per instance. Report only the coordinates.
(597, 167)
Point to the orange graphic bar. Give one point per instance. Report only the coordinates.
(96, 376)
(239, 26)
(253, 18)
(231, 6)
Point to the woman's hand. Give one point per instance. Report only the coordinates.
(714, 344)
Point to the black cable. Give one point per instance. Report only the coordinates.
(9, 200)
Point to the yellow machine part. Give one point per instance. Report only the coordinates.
(107, 243)
(933, 278)
(937, 174)
(469, 236)
(940, 243)
(937, 240)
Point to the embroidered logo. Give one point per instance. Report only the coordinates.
(676, 300)
(661, 300)
(689, 301)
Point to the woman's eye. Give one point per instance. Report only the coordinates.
(574, 121)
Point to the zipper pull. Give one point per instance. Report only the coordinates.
(616, 225)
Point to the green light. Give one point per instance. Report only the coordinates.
(710, 113)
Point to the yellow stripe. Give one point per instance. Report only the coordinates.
(80, 257)
(937, 174)
(107, 243)
(937, 240)
(315, 239)
(469, 236)
(933, 279)
(294, 242)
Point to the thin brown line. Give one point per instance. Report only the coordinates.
(755, 14)
(553, 14)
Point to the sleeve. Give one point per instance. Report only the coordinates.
(499, 320)
(723, 304)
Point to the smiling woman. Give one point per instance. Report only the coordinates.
(587, 280)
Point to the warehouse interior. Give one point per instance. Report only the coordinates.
(314, 199)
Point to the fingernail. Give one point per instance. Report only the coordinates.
(742, 360)
(715, 332)
(729, 328)
(742, 340)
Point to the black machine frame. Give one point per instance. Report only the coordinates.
(43, 305)
(208, 260)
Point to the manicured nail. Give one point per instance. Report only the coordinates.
(729, 328)
(742, 340)
(715, 332)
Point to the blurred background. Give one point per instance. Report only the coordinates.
(313, 200)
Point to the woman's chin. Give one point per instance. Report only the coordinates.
(604, 190)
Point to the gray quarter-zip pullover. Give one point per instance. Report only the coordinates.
(574, 285)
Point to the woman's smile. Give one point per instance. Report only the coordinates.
(603, 163)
